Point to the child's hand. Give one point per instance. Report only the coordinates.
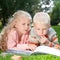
(57, 46)
(43, 39)
(22, 46)
(31, 47)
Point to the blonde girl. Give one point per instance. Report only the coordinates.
(15, 34)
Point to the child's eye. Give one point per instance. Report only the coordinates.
(28, 24)
(23, 24)
(45, 29)
(38, 29)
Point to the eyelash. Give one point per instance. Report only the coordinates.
(38, 29)
(27, 24)
(23, 24)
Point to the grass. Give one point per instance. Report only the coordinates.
(37, 56)
(32, 57)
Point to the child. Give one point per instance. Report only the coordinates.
(16, 33)
(42, 33)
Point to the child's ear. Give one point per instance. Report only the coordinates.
(15, 23)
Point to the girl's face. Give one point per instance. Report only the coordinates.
(23, 24)
(41, 29)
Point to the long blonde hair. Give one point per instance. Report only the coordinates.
(9, 26)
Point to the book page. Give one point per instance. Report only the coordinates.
(47, 50)
(12, 51)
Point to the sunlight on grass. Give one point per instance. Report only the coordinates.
(33, 57)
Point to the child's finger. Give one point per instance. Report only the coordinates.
(41, 36)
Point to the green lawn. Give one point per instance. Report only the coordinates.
(32, 57)
(37, 56)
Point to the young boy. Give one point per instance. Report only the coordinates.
(42, 33)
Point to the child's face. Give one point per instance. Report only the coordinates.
(41, 29)
(23, 25)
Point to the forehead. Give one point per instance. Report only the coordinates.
(22, 19)
(40, 25)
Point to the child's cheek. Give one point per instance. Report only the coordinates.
(45, 32)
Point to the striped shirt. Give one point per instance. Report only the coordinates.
(51, 36)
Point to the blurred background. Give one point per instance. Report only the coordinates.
(8, 7)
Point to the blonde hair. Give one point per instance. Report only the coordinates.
(9, 26)
(20, 13)
(41, 17)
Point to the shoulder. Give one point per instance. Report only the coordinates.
(32, 32)
(12, 32)
(33, 36)
(51, 32)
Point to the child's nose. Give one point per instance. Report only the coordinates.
(41, 31)
(26, 26)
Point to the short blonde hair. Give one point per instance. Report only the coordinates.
(41, 17)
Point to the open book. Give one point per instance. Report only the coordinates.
(40, 49)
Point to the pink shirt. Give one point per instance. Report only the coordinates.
(14, 43)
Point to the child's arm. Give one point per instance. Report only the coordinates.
(12, 39)
(55, 41)
(31, 47)
(53, 37)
